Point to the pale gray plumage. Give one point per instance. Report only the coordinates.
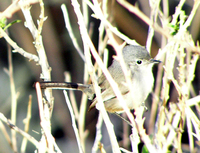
(139, 62)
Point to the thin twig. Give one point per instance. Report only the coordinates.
(45, 124)
(73, 121)
(13, 97)
(71, 34)
(153, 17)
(24, 134)
(142, 132)
(172, 133)
(27, 123)
(14, 7)
(193, 101)
(189, 127)
(47, 139)
(98, 136)
(103, 19)
(5, 133)
(142, 16)
(72, 96)
(87, 41)
(17, 48)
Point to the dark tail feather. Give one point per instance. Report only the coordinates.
(87, 89)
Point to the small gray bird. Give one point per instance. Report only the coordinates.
(139, 62)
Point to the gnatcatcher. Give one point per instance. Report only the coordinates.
(139, 62)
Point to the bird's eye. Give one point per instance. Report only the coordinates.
(139, 62)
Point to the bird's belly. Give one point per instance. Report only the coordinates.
(141, 89)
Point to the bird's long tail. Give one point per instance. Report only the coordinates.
(87, 89)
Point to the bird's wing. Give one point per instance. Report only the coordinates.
(108, 94)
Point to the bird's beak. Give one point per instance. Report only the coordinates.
(155, 61)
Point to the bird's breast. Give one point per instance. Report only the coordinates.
(142, 86)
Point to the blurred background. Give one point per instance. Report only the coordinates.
(62, 57)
